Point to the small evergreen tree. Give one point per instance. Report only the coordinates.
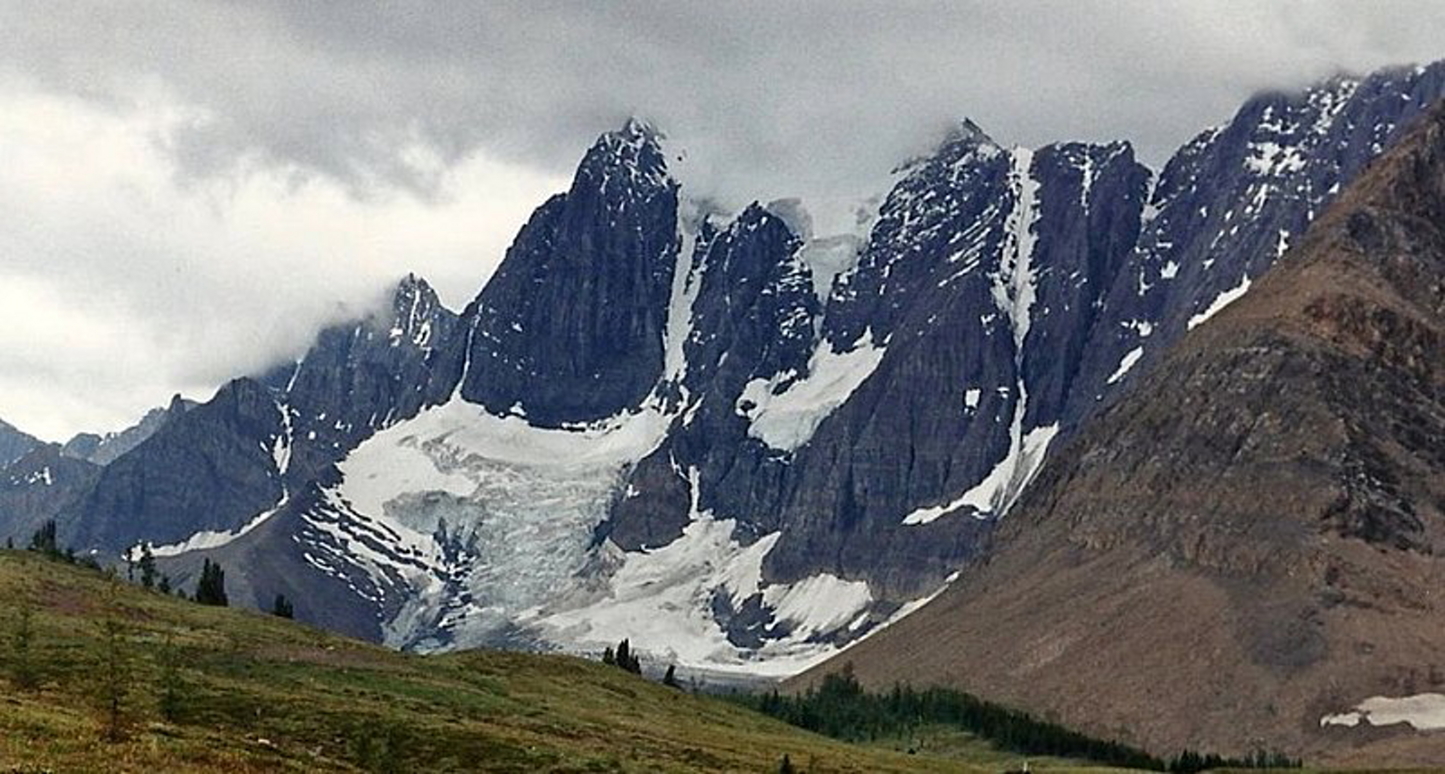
(147, 565)
(9, 543)
(43, 541)
(378, 747)
(164, 586)
(608, 657)
(670, 678)
(786, 767)
(22, 666)
(114, 672)
(627, 659)
(169, 701)
(282, 608)
(211, 588)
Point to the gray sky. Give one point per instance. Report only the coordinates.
(188, 190)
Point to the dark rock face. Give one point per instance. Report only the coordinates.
(13, 444)
(570, 327)
(1115, 282)
(755, 317)
(1234, 199)
(981, 276)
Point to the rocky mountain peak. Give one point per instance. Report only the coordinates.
(966, 132)
(626, 159)
(415, 308)
(570, 328)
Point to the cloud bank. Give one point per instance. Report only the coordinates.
(189, 190)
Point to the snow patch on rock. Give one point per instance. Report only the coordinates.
(1222, 300)
(1125, 363)
(1423, 712)
(784, 414)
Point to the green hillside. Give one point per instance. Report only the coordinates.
(208, 689)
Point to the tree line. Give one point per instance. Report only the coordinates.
(842, 709)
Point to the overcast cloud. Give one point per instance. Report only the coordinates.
(188, 190)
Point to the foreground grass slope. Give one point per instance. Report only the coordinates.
(249, 692)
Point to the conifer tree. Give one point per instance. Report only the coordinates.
(170, 684)
(164, 586)
(608, 657)
(211, 589)
(624, 655)
(627, 659)
(282, 608)
(147, 565)
(114, 671)
(22, 666)
(670, 678)
(43, 540)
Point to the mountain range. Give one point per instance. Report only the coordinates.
(746, 446)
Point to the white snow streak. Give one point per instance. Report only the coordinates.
(207, 539)
(1126, 363)
(1014, 291)
(998, 490)
(679, 309)
(1222, 300)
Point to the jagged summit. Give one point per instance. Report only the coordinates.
(570, 327)
(414, 287)
(964, 140)
(966, 131)
(639, 130)
(635, 151)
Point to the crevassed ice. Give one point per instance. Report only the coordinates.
(662, 600)
(525, 502)
(522, 500)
